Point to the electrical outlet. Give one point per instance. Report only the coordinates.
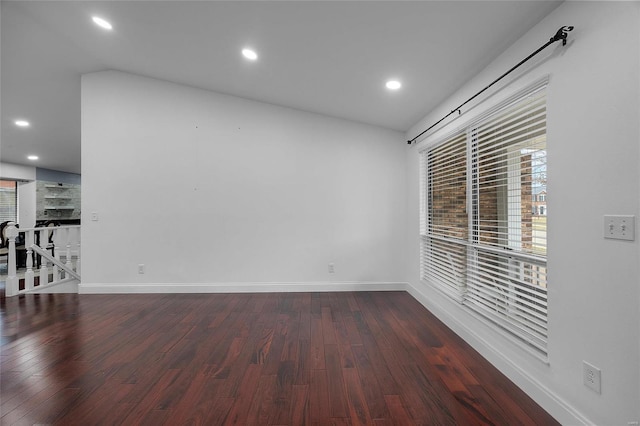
(591, 376)
(141, 268)
(331, 268)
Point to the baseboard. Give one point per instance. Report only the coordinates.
(241, 287)
(564, 412)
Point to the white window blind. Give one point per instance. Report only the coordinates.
(492, 258)
(444, 238)
(8, 200)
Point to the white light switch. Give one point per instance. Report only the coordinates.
(620, 227)
(94, 216)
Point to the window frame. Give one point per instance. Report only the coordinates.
(537, 345)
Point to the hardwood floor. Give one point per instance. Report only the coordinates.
(248, 359)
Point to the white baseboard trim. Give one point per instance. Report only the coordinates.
(564, 412)
(240, 287)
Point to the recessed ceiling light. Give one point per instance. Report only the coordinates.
(32, 157)
(102, 23)
(22, 123)
(249, 54)
(393, 85)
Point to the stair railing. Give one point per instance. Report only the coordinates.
(52, 242)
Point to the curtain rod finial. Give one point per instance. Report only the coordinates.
(562, 34)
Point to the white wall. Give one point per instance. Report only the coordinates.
(17, 172)
(593, 158)
(27, 204)
(26, 176)
(206, 188)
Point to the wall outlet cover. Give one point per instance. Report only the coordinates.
(591, 376)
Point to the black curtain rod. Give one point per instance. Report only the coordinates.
(560, 35)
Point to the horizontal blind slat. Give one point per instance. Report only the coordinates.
(536, 340)
(507, 310)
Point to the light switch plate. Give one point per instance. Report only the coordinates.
(620, 227)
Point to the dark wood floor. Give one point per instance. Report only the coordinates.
(247, 359)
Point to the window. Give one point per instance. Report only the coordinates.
(481, 242)
(8, 200)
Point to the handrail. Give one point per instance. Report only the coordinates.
(48, 228)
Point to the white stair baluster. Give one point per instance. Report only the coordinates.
(68, 234)
(56, 253)
(11, 288)
(29, 275)
(44, 267)
(78, 248)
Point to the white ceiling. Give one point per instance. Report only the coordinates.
(328, 57)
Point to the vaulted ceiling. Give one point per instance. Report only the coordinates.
(327, 57)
